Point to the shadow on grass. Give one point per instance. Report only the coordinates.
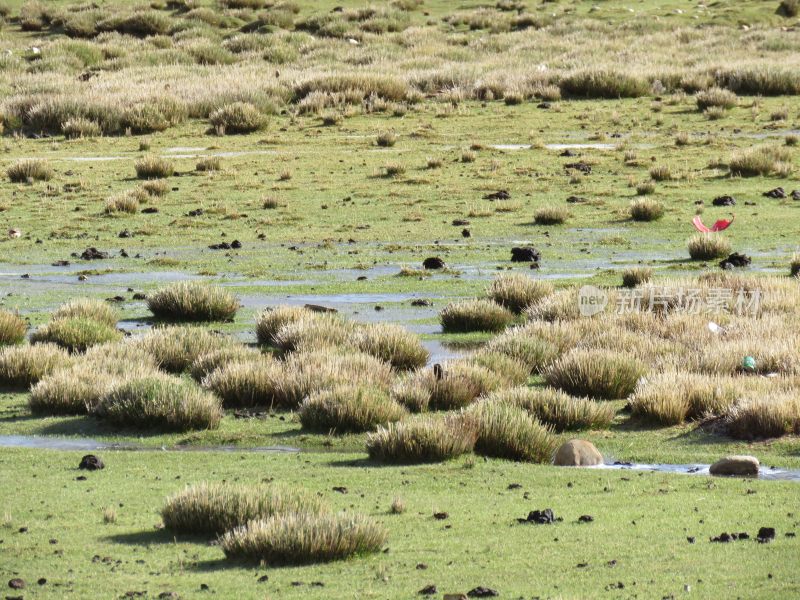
(156, 536)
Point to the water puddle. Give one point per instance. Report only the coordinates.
(768, 473)
(87, 444)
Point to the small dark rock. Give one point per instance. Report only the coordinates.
(220, 246)
(150, 210)
(16, 584)
(263, 578)
(735, 260)
(498, 195)
(466, 233)
(41, 581)
(576, 200)
(361, 278)
(421, 302)
(197, 212)
(540, 517)
(340, 488)
(236, 244)
(795, 195)
(440, 516)
(460, 222)
(724, 201)
(567, 153)
(690, 539)
(428, 590)
(432, 263)
(482, 592)
(586, 518)
(543, 105)
(139, 296)
(525, 255)
(514, 486)
(61, 263)
(124, 234)
(776, 193)
(90, 462)
(766, 534)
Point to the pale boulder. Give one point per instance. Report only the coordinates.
(736, 465)
(578, 453)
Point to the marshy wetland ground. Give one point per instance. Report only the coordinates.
(182, 179)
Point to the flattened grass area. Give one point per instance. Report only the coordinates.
(480, 543)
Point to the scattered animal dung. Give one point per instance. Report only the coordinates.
(433, 263)
(724, 201)
(440, 516)
(724, 538)
(234, 245)
(585, 519)
(576, 200)
(466, 233)
(525, 254)
(459, 222)
(93, 254)
(765, 534)
(540, 517)
(482, 592)
(90, 462)
(428, 590)
(581, 166)
(735, 260)
(498, 195)
(421, 302)
(777, 193)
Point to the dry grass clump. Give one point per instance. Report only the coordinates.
(551, 215)
(423, 439)
(474, 315)
(511, 370)
(155, 187)
(153, 167)
(761, 160)
(209, 362)
(560, 306)
(12, 328)
(715, 98)
(645, 188)
(459, 384)
(208, 164)
(245, 383)
(604, 84)
(645, 209)
(302, 538)
(238, 117)
(349, 409)
(29, 170)
(595, 373)
(271, 320)
(159, 402)
(214, 508)
(78, 127)
(534, 352)
(387, 139)
(193, 301)
(314, 331)
(671, 398)
(661, 173)
(127, 202)
(79, 388)
(507, 431)
(412, 391)
(518, 292)
(557, 409)
(87, 308)
(75, 334)
(175, 348)
(708, 246)
(635, 276)
(392, 344)
(772, 352)
(308, 372)
(24, 365)
(794, 265)
(768, 416)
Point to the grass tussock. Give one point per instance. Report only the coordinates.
(270, 322)
(349, 409)
(88, 308)
(715, 98)
(474, 315)
(708, 246)
(534, 352)
(392, 344)
(22, 366)
(551, 215)
(211, 361)
(214, 508)
(459, 384)
(507, 431)
(153, 167)
(518, 292)
(79, 127)
(12, 328)
(556, 409)
(761, 160)
(603, 84)
(511, 370)
(423, 439)
(246, 383)
(412, 391)
(671, 398)
(238, 117)
(75, 334)
(635, 276)
(125, 202)
(174, 349)
(768, 416)
(646, 209)
(596, 374)
(29, 170)
(193, 301)
(159, 402)
(302, 538)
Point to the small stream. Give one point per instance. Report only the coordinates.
(89, 445)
